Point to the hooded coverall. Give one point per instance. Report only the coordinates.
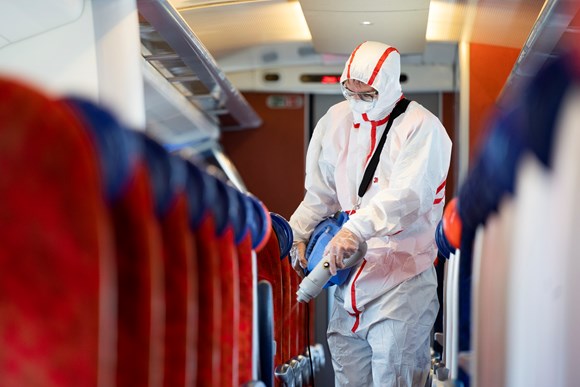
(379, 330)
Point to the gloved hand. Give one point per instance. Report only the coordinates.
(298, 257)
(344, 244)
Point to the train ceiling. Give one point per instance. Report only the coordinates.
(335, 27)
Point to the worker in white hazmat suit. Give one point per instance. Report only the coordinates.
(379, 330)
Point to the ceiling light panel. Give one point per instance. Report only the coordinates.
(337, 26)
(247, 25)
(367, 5)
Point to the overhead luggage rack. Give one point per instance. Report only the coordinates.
(172, 48)
(554, 23)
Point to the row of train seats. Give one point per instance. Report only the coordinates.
(121, 264)
(511, 303)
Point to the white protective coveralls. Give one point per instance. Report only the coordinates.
(382, 316)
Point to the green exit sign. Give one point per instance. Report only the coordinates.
(285, 101)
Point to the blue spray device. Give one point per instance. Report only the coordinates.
(318, 271)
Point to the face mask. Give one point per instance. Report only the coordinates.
(361, 107)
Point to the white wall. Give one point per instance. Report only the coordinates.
(88, 48)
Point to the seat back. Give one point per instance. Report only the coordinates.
(57, 325)
(246, 294)
(201, 191)
(138, 249)
(270, 270)
(226, 207)
(168, 177)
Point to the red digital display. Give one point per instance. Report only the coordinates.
(320, 78)
(330, 79)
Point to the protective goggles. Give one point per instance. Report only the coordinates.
(367, 96)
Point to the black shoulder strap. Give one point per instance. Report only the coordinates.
(399, 109)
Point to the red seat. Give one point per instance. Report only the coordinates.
(249, 215)
(269, 269)
(259, 225)
(201, 192)
(287, 316)
(168, 178)
(244, 250)
(296, 326)
(230, 308)
(140, 273)
(227, 210)
(210, 304)
(57, 319)
(181, 296)
(138, 251)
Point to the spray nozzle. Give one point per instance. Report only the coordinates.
(314, 282)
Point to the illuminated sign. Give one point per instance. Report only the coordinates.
(320, 78)
(285, 101)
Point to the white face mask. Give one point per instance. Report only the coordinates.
(361, 107)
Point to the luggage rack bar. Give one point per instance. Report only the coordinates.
(173, 46)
